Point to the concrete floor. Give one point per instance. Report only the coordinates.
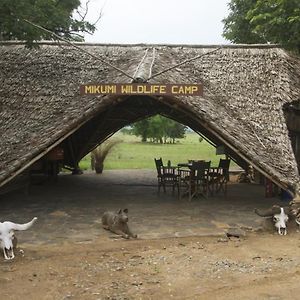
(71, 208)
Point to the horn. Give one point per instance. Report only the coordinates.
(275, 209)
(296, 199)
(294, 205)
(287, 210)
(14, 226)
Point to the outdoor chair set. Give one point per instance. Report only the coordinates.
(193, 178)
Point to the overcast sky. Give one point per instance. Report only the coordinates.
(158, 21)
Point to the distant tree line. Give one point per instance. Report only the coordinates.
(157, 129)
(264, 21)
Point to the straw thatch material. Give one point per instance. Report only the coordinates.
(245, 88)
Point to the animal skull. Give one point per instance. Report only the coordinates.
(280, 217)
(7, 238)
(280, 221)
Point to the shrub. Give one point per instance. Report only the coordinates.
(99, 154)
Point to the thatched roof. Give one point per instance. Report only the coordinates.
(245, 88)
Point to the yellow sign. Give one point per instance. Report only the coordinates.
(142, 89)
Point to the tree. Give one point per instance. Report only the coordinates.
(159, 129)
(264, 21)
(176, 131)
(57, 16)
(277, 21)
(142, 129)
(237, 27)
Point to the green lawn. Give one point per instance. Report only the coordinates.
(132, 154)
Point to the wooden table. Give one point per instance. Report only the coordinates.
(186, 165)
(187, 173)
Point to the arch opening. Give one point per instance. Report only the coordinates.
(127, 110)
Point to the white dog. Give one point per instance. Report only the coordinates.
(8, 240)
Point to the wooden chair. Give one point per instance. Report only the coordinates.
(222, 176)
(184, 182)
(166, 176)
(194, 181)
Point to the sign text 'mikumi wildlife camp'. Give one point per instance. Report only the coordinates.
(142, 89)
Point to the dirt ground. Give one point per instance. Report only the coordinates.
(182, 251)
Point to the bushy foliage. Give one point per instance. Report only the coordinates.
(54, 15)
(99, 154)
(237, 27)
(264, 21)
(158, 129)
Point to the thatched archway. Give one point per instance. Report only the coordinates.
(245, 88)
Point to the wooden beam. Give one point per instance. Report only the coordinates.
(94, 134)
(71, 148)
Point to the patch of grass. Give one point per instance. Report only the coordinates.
(133, 154)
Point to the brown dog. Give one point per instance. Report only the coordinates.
(117, 222)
